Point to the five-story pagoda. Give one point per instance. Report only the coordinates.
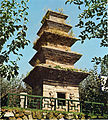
(54, 74)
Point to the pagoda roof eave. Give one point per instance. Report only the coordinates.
(42, 72)
(57, 14)
(51, 37)
(56, 55)
(54, 25)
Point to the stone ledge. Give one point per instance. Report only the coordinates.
(54, 16)
(58, 15)
(59, 56)
(42, 72)
(49, 24)
(55, 38)
(44, 114)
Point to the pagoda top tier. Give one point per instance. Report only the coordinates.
(55, 21)
(54, 16)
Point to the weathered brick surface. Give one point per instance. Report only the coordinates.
(59, 56)
(49, 24)
(55, 38)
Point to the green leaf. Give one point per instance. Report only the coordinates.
(11, 13)
(20, 54)
(25, 19)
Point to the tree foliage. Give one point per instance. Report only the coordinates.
(93, 23)
(95, 16)
(13, 20)
(103, 64)
(91, 88)
(12, 86)
(15, 85)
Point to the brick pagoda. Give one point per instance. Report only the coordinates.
(54, 74)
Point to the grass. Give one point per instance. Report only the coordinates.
(68, 69)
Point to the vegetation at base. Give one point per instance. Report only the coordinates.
(44, 114)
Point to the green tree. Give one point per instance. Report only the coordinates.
(91, 88)
(93, 23)
(13, 20)
(15, 85)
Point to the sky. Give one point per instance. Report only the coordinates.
(37, 9)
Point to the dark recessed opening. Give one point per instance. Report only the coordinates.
(62, 96)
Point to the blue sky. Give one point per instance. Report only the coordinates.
(37, 9)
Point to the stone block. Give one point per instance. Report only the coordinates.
(26, 112)
(55, 39)
(30, 117)
(8, 114)
(23, 100)
(54, 16)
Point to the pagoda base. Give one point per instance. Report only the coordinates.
(55, 83)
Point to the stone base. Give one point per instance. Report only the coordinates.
(63, 89)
